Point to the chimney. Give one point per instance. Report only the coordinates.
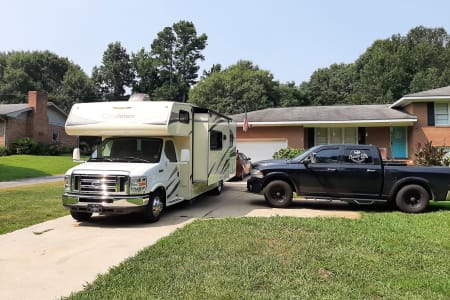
(38, 128)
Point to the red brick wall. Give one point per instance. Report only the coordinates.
(15, 129)
(421, 132)
(294, 134)
(379, 136)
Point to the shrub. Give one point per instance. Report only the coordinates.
(428, 155)
(288, 153)
(24, 145)
(4, 151)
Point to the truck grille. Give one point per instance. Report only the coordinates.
(100, 184)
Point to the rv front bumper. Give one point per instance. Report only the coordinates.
(105, 205)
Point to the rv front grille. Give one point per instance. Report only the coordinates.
(100, 184)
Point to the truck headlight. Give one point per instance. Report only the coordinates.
(256, 173)
(138, 185)
(67, 183)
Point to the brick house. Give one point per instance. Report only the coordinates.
(395, 128)
(38, 119)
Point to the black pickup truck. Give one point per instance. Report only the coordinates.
(351, 173)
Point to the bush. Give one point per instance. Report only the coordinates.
(428, 155)
(4, 151)
(288, 153)
(24, 145)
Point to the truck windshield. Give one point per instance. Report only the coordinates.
(129, 149)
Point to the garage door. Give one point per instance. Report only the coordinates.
(260, 150)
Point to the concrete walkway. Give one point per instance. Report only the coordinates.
(57, 257)
(30, 181)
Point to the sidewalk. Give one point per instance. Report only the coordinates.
(30, 181)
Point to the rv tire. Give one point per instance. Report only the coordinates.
(154, 208)
(218, 189)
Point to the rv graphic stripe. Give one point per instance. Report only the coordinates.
(174, 190)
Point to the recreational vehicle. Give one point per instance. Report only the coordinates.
(153, 154)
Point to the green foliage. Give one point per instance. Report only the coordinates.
(26, 206)
(28, 145)
(24, 145)
(381, 256)
(428, 155)
(170, 68)
(240, 87)
(14, 167)
(288, 153)
(115, 73)
(4, 151)
(22, 71)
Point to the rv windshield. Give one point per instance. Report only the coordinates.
(129, 149)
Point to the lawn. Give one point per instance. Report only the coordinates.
(25, 206)
(388, 255)
(28, 166)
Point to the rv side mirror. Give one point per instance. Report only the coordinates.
(185, 155)
(76, 154)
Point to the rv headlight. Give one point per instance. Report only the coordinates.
(138, 185)
(256, 173)
(67, 183)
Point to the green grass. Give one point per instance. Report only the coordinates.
(30, 166)
(25, 206)
(381, 256)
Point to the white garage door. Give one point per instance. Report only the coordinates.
(260, 150)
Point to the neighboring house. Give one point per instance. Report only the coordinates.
(39, 119)
(396, 129)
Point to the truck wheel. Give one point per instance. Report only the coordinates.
(218, 189)
(278, 193)
(81, 216)
(412, 198)
(155, 207)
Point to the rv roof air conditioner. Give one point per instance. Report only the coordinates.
(139, 97)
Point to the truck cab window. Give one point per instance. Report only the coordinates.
(327, 156)
(169, 150)
(357, 156)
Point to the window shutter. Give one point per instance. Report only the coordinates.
(430, 109)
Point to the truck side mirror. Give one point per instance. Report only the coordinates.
(185, 155)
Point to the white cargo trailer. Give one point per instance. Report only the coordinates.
(153, 154)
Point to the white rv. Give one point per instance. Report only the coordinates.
(153, 154)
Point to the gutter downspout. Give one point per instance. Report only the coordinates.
(4, 131)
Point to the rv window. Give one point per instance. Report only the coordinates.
(184, 116)
(215, 140)
(169, 150)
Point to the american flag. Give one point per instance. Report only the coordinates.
(245, 126)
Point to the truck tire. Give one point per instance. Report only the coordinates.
(155, 207)
(278, 193)
(412, 198)
(81, 216)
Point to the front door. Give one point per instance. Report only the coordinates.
(398, 142)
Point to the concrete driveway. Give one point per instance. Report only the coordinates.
(57, 257)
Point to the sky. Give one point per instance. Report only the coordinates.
(289, 38)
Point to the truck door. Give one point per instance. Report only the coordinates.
(318, 178)
(360, 173)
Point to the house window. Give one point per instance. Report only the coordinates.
(441, 114)
(335, 135)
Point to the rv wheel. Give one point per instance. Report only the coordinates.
(154, 207)
(218, 189)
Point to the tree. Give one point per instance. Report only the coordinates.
(21, 72)
(170, 68)
(238, 88)
(115, 74)
(290, 95)
(75, 87)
